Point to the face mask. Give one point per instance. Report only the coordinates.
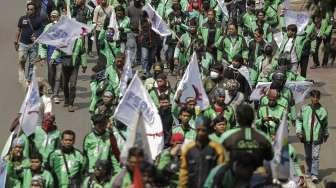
(272, 104)
(214, 74)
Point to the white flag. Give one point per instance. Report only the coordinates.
(191, 85)
(137, 138)
(7, 146)
(127, 73)
(30, 108)
(135, 101)
(158, 24)
(114, 25)
(281, 162)
(63, 34)
(3, 173)
(223, 7)
(299, 18)
(278, 38)
(300, 90)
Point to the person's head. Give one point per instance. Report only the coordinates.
(219, 95)
(216, 70)
(158, 69)
(119, 61)
(54, 16)
(36, 182)
(80, 2)
(237, 61)
(161, 81)
(258, 35)
(137, 3)
(48, 122)
(211, 15)
(232, 86)
(103, 3)
(232, 28)
(317, 17)
(36, 161)
(193, 26)
(68, 140)
(17, 147)
(205, 4)
(185, 115)
(278, 80)
(176, 5)
(272, 96)
(101, 169)
(194, 4)
(148, 173)
(164, 102)
(108, 97)
(176, 138)
(202, 126)
(261, 15)
(245, 115)
(135, 157)
(219, 124)
(268, 50)
(250, 6)
(120, 11)
(291, 30)
(31, 8)
(315, 97)
(100, 123)
(191, 103)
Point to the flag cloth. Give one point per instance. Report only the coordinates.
(135, 101)
(278, 37)
(159, 26)
(137, 178)
(127, 73)
(191, 85)
(300, 90)
(63, 34)
(3, 173)
(30, 108)
(114, 25)
(280, 164)
(7, 146)
(223, 7)
(299, 18)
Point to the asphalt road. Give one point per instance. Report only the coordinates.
(12, 94)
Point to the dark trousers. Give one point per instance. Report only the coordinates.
(70, 74)
(98, 46)
(304, 64)
(89, 42)
(170, 56)
(326, 43)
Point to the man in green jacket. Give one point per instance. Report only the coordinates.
(219, 125)
(67, 163)
(184, 126)
(97, 145)
(124, 26)
(269, 116)
(36, 169)
(312, 130)
(161, 86)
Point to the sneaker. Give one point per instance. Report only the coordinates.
(56, 100)
(315, 179)
(315, 67)
(71, 108)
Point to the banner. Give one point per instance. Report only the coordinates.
(63, 34)
(127, 74)
(300, 90)
(30, 108)
(7, 146)
(223, 7)
(191, 85)
(299, 18)
(136, 100)
(159, 26)
(114, 25)
(278, 38)
(3, 173)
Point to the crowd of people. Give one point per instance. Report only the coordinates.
(228, 144)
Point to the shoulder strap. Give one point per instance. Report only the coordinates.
(66, 164)
(30, 25)
(317, 117)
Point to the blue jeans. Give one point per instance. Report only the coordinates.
(131, 47)
(312, 152)
(28, 56)
(145, 61)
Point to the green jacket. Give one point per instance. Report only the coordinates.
(229, 47)
(125, 24)
(326, 26)
(97, 147)
(154, 93)
(282, 101)
(228, 114)
(270, 127)
(268, 35)
(42, 50)
(75, 162)
(91, 182)
(46, 142)
(271, 13)
(108, 49)
(293, 155)
(188, 133)
(122, 179)
(249, 20)
(26, 175)
(163, 160)
(216, 138)
(13, 180)
(304, 124)
(78, 53)
(113, 80)
(227, 177)
(204, 32)
(96, 90)
(184, 49)
(206, 61)
(264, 67)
